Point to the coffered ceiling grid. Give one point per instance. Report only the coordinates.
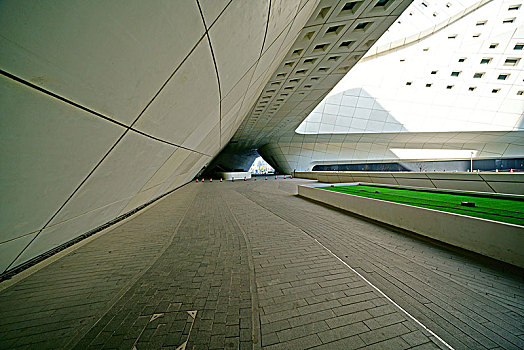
(336, 36)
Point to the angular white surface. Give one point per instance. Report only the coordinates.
(121, 175)
(180, 108)
(171, 166)
(411, 91)
(237, 93)
(9, 250)
(211, 142)
(56, 235)
(48, 149)
(282, 12)
(141, 198)
(211, 9)
(237, 39)
(115, 57)
(109, 56)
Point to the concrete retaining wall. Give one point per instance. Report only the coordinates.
(490, 238)
(480, 182)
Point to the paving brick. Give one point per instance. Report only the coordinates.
(384, 333)
(385, 320)
(299, 343)
(302, 331)
(343, 332)
(348, 319)
(232, 343)
(353, 342)
(393, 343)
(356, 307)
(217, 342)
(284, 306)
(427, 346)
(326, 305)
(309, 318)
(270, 338)
(242, 256)
(276, 326)
(415, 338)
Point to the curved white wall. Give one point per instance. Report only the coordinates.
(108, 105)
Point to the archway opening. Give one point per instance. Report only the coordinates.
(260, 166)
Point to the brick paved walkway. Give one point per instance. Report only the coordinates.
(249, 265)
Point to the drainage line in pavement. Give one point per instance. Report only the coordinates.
(256, 333)
(362, 277)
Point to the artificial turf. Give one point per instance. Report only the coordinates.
(510, 210)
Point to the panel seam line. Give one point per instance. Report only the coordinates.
(90, 111)
(216, 70)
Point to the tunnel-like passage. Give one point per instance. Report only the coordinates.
(250, 265)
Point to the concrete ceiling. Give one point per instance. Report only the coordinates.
(333, 40)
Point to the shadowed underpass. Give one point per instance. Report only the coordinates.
(249, 265)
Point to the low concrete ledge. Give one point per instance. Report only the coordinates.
(237, 175)
(476, 181)
(501, 241)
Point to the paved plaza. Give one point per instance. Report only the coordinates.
(250, 265)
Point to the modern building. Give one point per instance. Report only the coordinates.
(444, 84)
(104, 109)
(110, 111)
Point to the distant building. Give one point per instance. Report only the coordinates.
(445, 82)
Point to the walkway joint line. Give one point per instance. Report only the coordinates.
(362, 277)
(77, 337)
(384, 295)
(256, 333)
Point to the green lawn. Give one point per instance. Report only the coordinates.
(509, 210)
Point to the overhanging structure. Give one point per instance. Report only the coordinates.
(107, 107)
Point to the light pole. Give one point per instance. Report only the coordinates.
(471, 163)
